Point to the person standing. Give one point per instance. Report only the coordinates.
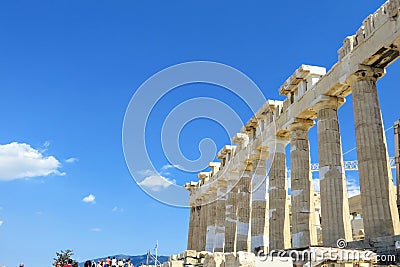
(69, 264)
(114, 262)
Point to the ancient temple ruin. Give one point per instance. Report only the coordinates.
(243, 203)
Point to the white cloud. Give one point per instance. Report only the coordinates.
(170, 166)
(1, 222)
(89, 199)
(146, 173)
(95, 229)
(117, 209)
(71, 160)
(156, 182)
(353, 187)
(20, 160)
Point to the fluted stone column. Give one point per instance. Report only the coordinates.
(203, 223)
(244, 210)
(397, 158)
(191, 230)
(219, 241)
(193, 223)
(304, 231)
(380, 214)
(211, 213)
(231, 214)
(259, 204)
(279, 219)
(196, 227)
(334, 200)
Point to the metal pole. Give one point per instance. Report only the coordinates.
(155, 262)
(397, 158)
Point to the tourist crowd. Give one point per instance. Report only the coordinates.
(108, 262)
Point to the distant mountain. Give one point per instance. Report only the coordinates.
(136, 260)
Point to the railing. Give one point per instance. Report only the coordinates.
(350, 165)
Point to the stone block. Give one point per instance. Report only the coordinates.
(230, 260)
(202, 254)
(190, 261)
(214, 260)
(190, 253)
(173, 257)
(245, 259)
(176, 263)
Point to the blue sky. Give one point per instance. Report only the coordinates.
(68, 70)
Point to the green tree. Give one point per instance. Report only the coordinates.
(63, 256)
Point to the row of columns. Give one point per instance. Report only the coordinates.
(244, 217)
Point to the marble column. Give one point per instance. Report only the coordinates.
(219, 241)
(231, 214)
(334, 200)
(193, 223)
(197, 227)
(259, 204)
(397, 158)
(244, 210)
(304, 231)
(380, 214)
(191, 228)
(203, 223)
(211, 213)
(279, 218)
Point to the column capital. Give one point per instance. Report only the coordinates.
(277, 144)
(324, 101)
(366, 72)
(283, 140)
(227, 149)
(215, 166)
(241, 139)
(261, 154)
(300, 124)
(204, 176)
(191, 186)
(247, 166)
